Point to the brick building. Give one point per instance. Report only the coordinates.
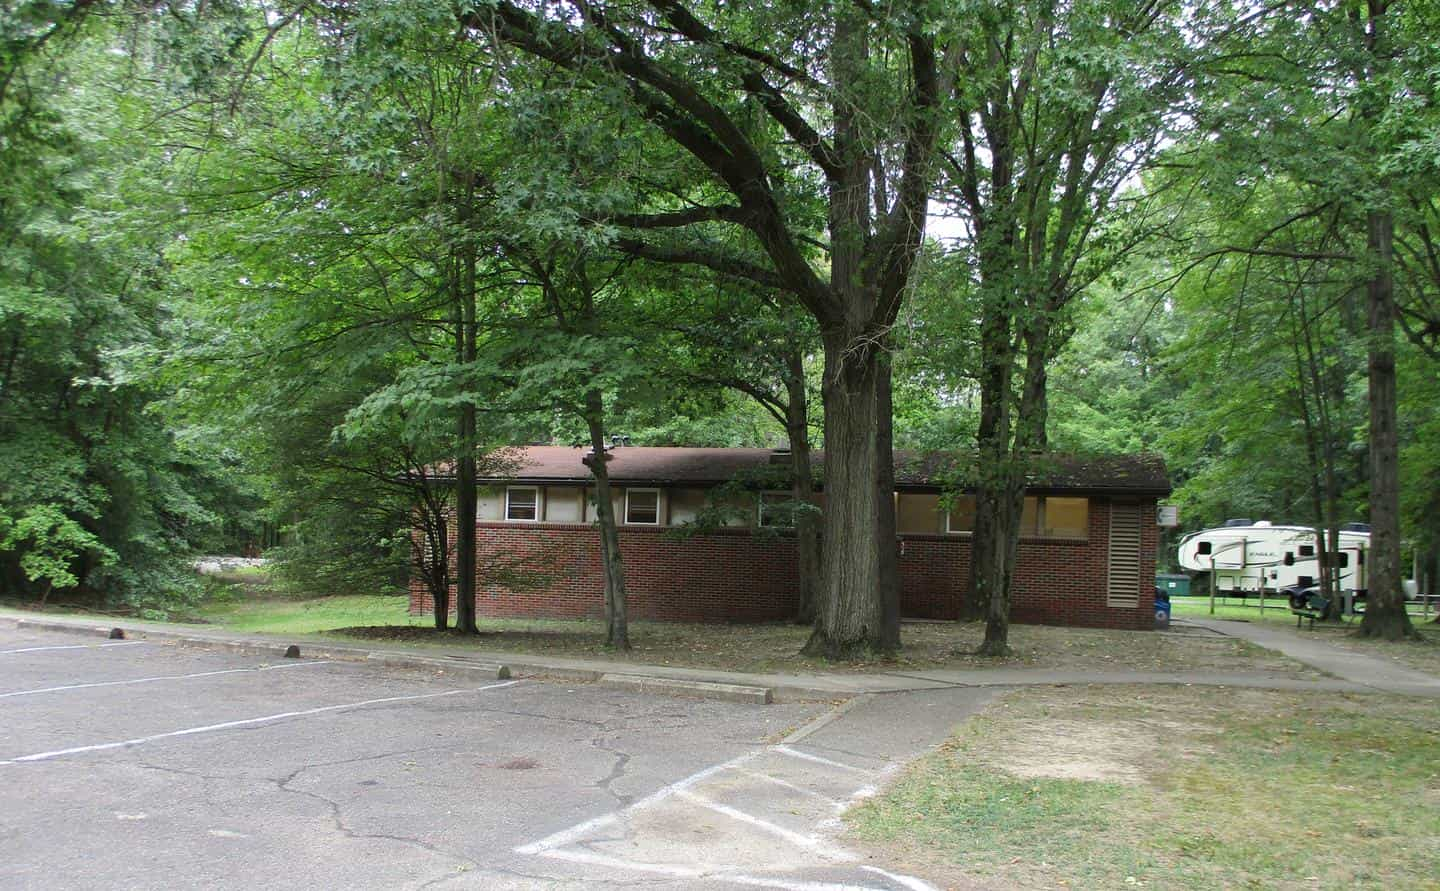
(1087, 550)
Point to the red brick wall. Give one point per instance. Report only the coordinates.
(737, 576)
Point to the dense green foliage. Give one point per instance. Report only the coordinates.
(98, 493)
(255, 265)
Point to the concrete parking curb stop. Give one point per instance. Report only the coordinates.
(485, 670)
(700, 689)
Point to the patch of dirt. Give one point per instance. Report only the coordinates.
(1076, 750)
(519, 764)
(1068, 740)
(393, 632)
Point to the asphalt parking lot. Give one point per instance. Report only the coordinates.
(137, 764)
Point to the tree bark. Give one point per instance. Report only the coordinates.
(617, 629)
(1385, 614)
(436, 568)
(1307, 389)
(807, 524)
(1030, 419)
(854, 619)
(887, 531)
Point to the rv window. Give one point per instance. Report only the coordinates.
(1342, 560)
(1204, 548)
(1290, 557)
(1307, 550)
(1304, 581)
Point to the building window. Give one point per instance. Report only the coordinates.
(775, 510)
(1065, 517)
(961, 515)
(918, 513)
(1044, 517)
(642, 507)
(522, 503)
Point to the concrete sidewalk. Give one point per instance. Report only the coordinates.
(1368, 672)
(1355, 673)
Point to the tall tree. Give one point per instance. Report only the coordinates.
(1060, 107)
(1323, 101)
(764, 103)
(1385, 614)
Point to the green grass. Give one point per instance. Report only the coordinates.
(297, 616)
(1276, 610)
(752, 648)
(1421, 655)
(1165, 788)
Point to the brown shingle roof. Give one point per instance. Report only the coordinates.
(663, 466)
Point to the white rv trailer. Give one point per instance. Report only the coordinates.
(1250, 557)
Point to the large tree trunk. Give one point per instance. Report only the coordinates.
(807, 524)
(854, 619)
(617, 629)
(1385, 614)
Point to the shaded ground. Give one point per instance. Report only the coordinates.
(1174, 788)
(756, 648)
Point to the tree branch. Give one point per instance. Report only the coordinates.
(734, 267)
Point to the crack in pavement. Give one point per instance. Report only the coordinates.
(617, 770)
(337, 809)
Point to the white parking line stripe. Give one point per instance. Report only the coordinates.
(908, 881)
(247, 722)
(793, 885)
(798, 839)
(121, 643)
(806, 756)
(786, 784)
(163, 677)
(565, 836)
(589, 858)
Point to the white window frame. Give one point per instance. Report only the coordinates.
(534, 489)
(659, 506)
(760, 510)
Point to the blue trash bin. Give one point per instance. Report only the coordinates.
(1162, 609)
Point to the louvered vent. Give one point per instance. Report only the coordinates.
(1124, 590)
